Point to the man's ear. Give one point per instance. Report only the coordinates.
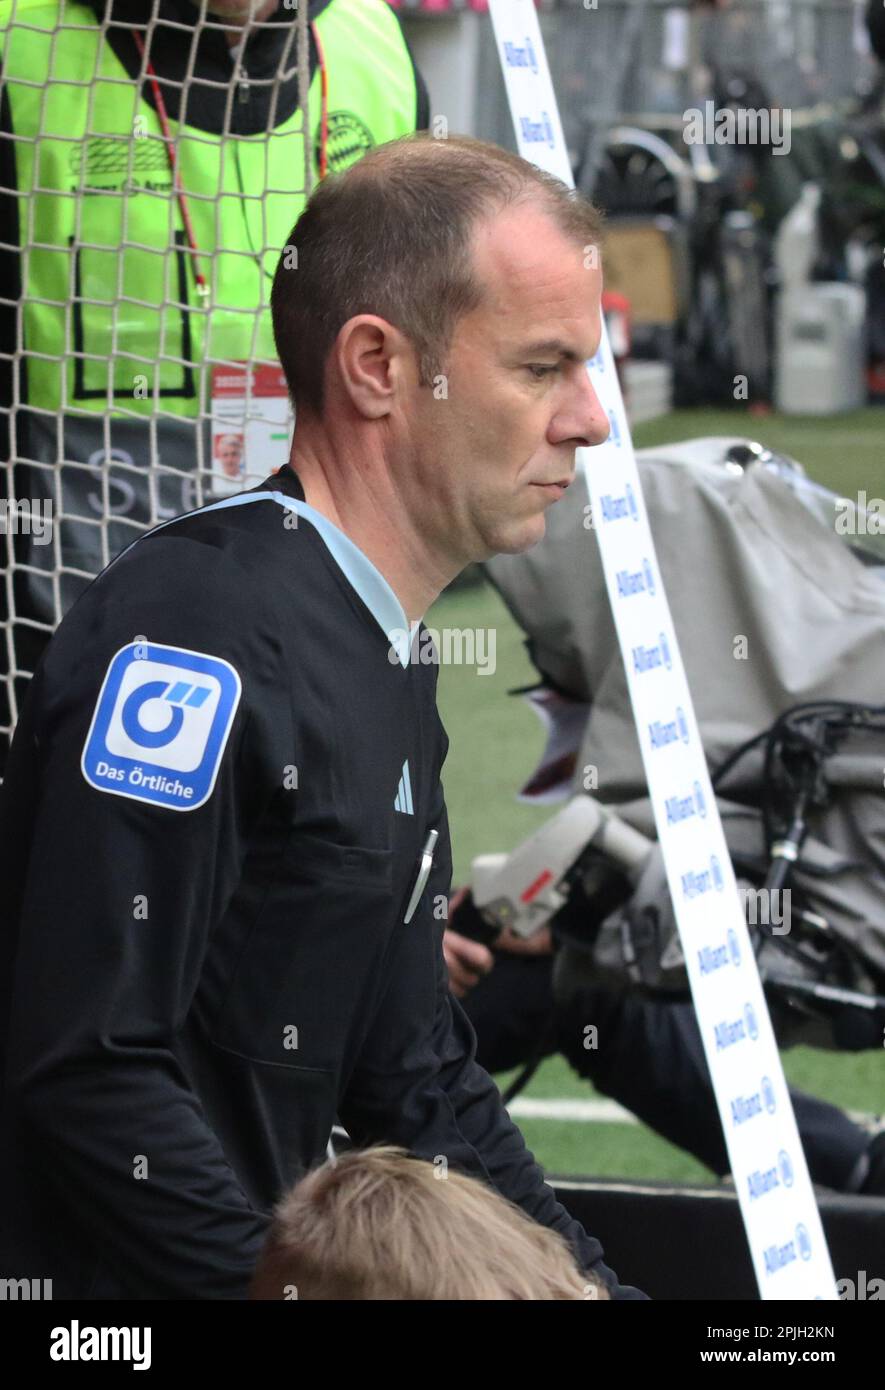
(373, 359)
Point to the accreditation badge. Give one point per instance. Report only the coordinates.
(251, 424)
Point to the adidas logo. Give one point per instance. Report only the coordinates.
(403, 800)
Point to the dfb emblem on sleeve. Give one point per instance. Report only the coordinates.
(160, 725)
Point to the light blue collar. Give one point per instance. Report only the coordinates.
(356, 567)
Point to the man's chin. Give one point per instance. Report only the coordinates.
(516, 538)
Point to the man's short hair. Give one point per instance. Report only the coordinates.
(380, 1224)
(390, 236)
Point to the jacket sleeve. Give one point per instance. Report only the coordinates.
(116, 908)
(418, 1084)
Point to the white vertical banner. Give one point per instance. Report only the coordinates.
(783, 1226)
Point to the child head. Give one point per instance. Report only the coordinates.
(379, 1224)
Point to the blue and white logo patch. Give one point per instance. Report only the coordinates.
(160, 725)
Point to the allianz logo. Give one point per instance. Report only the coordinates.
(652, 658)
(734, 1030)
(633, 582)
(683, 808)
(538, 132)
(521, 55)
(696, 882)
(777, 1257)
(713, 958)
(764, 1180)
(662, 732)
(747, 1107)
(619, 508)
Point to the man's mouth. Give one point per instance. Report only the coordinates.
(556, 489)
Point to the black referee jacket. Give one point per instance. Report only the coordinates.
(211, 835)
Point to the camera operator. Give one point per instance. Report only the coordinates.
(648, 1054)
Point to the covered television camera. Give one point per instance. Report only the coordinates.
(777, 590)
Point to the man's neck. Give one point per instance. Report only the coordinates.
(363, 503)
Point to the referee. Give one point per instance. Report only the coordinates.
(223, 838)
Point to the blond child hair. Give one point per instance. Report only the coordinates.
(379, 1224)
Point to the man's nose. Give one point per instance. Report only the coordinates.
(582, 422)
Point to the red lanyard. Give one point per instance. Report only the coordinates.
(324, 107)
(172, 154)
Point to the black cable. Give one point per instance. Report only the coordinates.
(522, 1079)
(797, 746)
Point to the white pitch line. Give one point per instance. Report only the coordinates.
(606, 1112)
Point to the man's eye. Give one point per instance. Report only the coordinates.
(539, 370)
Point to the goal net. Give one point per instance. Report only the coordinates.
(148, 182)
